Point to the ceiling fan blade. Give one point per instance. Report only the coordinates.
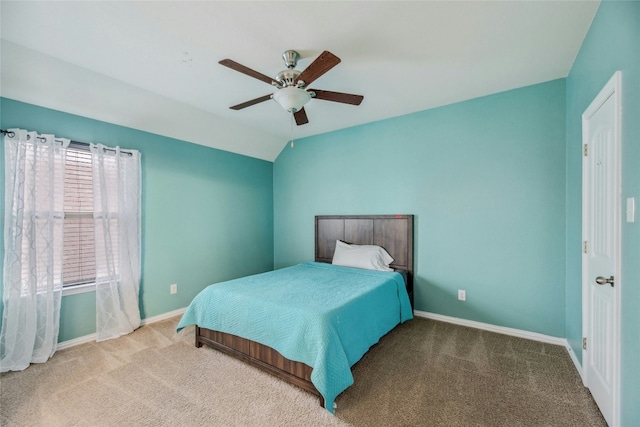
(245, 70)
(345, 98)
(252, 102)
(317, 68)
(301, 117)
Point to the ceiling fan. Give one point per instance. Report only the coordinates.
(292, 92)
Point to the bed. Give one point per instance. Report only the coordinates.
(358, 307)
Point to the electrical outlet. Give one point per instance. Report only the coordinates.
(462, 295)
(173, 289)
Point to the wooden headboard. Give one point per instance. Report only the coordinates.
(392, 232)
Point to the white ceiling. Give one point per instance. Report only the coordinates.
(154, 65)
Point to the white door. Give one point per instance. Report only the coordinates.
(601, 251)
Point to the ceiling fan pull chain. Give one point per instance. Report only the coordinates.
(292, 130)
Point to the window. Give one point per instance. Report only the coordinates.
(66, 231)
(79, 264)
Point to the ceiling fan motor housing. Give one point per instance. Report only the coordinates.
(286, 78)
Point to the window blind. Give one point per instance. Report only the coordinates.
(79, 265)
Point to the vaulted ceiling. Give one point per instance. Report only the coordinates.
(154, 65)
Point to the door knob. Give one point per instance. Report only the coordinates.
(603, 280)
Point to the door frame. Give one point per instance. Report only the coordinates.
(613, 88)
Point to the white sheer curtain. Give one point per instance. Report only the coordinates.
(117, 200)
(33, 226)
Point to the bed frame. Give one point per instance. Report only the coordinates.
(392, 232)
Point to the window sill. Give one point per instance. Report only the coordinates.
(78, 289)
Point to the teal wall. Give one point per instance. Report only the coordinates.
(612, 44)
(485, 180)
(207, 215)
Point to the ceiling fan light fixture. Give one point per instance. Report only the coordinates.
(291, 98)
(291, 85)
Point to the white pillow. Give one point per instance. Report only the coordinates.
(370, 257)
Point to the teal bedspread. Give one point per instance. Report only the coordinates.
(323, 315)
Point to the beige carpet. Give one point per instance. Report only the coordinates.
(423, 373)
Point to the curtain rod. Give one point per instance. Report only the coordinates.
(12, 134)
(76, 144)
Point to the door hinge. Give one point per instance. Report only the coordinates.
(586, 150)
(585, 247)
(584, 343)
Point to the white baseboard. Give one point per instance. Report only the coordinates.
(164, 316)
(493, 328)
(575, 361)
(92, 337)
(76, 341)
